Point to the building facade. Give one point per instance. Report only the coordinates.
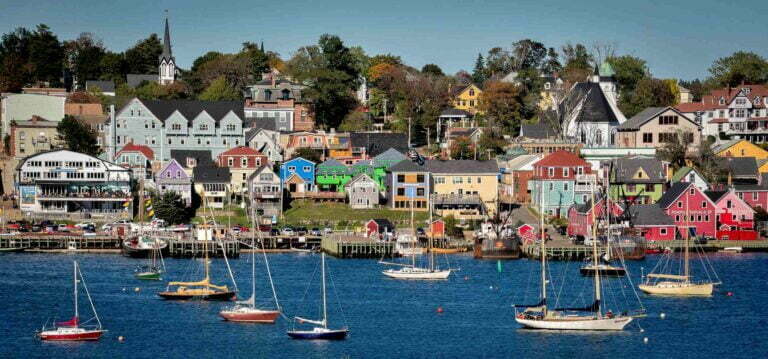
(173, 178)
(408, 186)
(560, 180)
(33, 136)
(656, 126)
(242, 161)
(281, 100)
(738, 112)
(265, 192)
(362, 192)
(689, 207)
(22, 107)
(639, 180)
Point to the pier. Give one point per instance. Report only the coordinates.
(565, 250)
(188, 248)
(61, 242)
(346, 246)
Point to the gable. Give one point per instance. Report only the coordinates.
(173, 168)
(294, 179)
(640, 174)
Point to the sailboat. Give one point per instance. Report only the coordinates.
(540, 316)
(606, 268)
(73, 330)
(678, 284)
(203, 289)
(246, 311)
(414, 272)
(321, 330)
(154, 270)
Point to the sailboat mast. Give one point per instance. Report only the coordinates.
(413, 229)
(205, 245)
(74, 277)
(431, 235)
(325, 310)
(543, 248)
(687, 235)
(594, 246)
(253, 257)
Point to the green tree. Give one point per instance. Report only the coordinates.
(83, 57)
(462, 148)
(552, 63)
(675, 151)
(46, 55)
(629, 71)
(528, 54)
(78, 137)
(478, 74)
(14, 55)
(257, 59)
(220, 90)
(356, 121)
(649, 92)
(740, 67)
(170, 208)
(142, 58)
(209, 56)
(432, 69)
(113, 67)
(308, 154)
(578, 63)
(502, 105)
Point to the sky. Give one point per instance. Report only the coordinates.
(678, 38)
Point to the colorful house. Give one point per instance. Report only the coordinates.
(213, 184)
(264, 190)
(639, 180)
(466, 189)
(138, 158)
(362, 192)
(298, 176)
(743, 148)
(467, 98)
(515, 174)
(655, 126)
(380, 228)
(689, 207)
(408, 182)
(241, 161)
(332, 175)
(553, 185)
(735, 218)
(651, 222)
(582, 216)
(382, 162)
(755, 195)
(173, 178)
(690, 175)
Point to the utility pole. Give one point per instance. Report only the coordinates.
(385, 110)
(409, 132)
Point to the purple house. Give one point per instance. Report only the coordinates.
(172, 178)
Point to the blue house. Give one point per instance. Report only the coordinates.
(298, 175)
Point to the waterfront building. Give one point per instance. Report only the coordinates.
(362, 192)
(167, 125)
(651, 222)
(582, 216)
(730, 209)
(738, 112)
(212, 184)
(68, 184)
(408, 182)
(690, 175)
(639, 180)
(242, 161)
(265, 192)
(560, 180)
(298, 176)
(332, 176)
(33, 136)
(754, 194)
(656, 126)
(138, 159)
(466, 189)
(515, 174)
(689, 207)
(379, 228)
(173, 178)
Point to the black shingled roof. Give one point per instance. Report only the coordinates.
(672, 194)
(595, 108)
(624, 170)
(211, 174)
(191, 108)
(537, 130)
(202, 157)
(649, 215)
(462, 166)
(376, 143)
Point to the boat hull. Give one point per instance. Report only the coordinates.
(219, 296)
(11, 250)
(132, 250)
(318, 335)
(148, 276)
(257, 316)
(678, 289)
(604, 272)
(68, 335)
(575, 324)
(418, 275)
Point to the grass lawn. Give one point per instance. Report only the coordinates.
(341, 215)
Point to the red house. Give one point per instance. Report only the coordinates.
(651, 222)
(241, 158)
(689, 207)
(437, 229)
(755, 195)
(580, 216)
(735, 218)
(379, 228)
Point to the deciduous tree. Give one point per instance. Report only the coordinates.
(220, 90)
(741, 66)
(502, 105)
(78, 136)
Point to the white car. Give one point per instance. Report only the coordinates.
(287, 231)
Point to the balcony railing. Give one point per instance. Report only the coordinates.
(319, 195)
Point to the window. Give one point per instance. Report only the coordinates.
(471, 103)
(741, 101)
(551, 172)
(292, 168)
(551, 186)
(648, 138)
(471, 92)
(706, 218)
(663, 231)
(754, 196)
(458, 179)
(230, 162)
(692, 192)
(677, 218)
(649, 187)
(420, 178)
(740, 113)
(566, 171)
(704, 204)
(667, 120)
(580, 170)
(469, 180)
(286, 94)
(307, 168)
(268, 95)
(439, 180)
(420, 191)
(667, 137)
(722, 101)
(203, 127)
(244, 162)
(244, 175)
(401, 178)
(401, 191)
(231, 127)
(479, 180)
(679, 204)
(565, 186)
(698, 218)
(170, 141)
(631, 188)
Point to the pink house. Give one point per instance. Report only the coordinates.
(580, 216)
(735, 218)
(689, 207)
(651, 222)
(755, 195)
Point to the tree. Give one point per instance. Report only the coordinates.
(502, 105)
(82, 97)
(478, 74)
(528, 54)
(45, 55)
(552, 64)
(578, 63)
(355, 122)
(142, 58)
(14, 55)
(78, 136)
(386, 59)
(432, 69)
(235, 68)
(83, 57)
(209, 56)
(696, 87)
(462, 148)
(463, 77)
(257, 59)
(675, 151)
(170, 208)
(113, 67)
(629, 71)
(740, 67)
(490, 141)
(649, 92)
(151, 90)
(219, 90)
(498, 63)
(308, 154)
(708, 163)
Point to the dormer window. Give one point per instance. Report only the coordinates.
(471, 92)
(746, 90)
(286, 94)
(757, 100)
(268, 95)
(722, 101)
(191, 162)
(203, 127)
(547, 86)
(176, 127)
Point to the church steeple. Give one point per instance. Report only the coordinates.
(167, 61)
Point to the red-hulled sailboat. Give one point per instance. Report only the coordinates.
(73, 329)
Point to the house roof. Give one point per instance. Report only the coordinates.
(162, 109)
(257, 123)
(131, 147)
(723, 146)
(211, 174)
(682, 172)
(674, 191)
(104, 86)
(520, 161)
(762, 186)
(135, 80)
(755, 93)
(715, 195)
(241, 151)
(261, 169)
(383, 223)
(462, 166)
(537, 131)
(456, 200)
(561, 158)
(359, 177)
(624, 170)
(641, 118)
(596, 108)
(740, 167)
(407, 166)
(202, 157)
(388, 158)
(649, 215)
(376, 143)
(454, 112)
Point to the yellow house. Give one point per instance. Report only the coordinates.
(465, 189)
(467, 98)
(743, 148)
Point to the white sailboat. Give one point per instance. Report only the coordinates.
(678, 284)
(540, 316)
(413, 271)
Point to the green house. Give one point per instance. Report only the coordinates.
(640, 180)
(332, 175)
(382, 162)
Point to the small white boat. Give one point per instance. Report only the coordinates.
(417, 273)
(408, 245)
(733, 249)
(560, 321)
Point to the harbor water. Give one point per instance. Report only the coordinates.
(386, 318)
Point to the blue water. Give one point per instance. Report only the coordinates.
(387, 318)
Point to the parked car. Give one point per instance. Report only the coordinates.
(301, 231)
(327, 230)
(274, 232)
(287, 231)
(315, 232)
(420, 232)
